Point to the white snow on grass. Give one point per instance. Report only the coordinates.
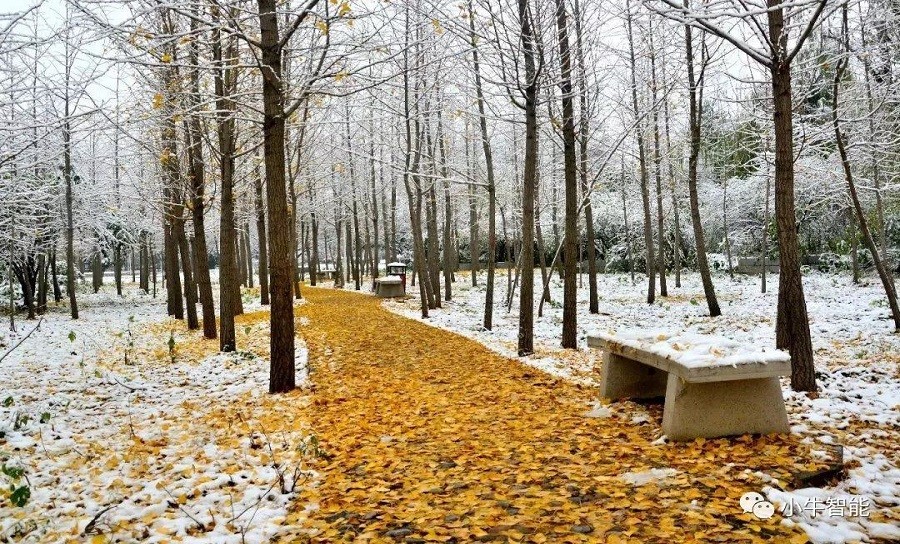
(644, 477)
(857, 360)
(148, 450)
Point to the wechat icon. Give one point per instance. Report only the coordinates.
(754, 503)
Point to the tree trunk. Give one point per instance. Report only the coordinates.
(153, 267)
(629, 254)
(339, 265)
(883, 273)
(657, 172)
(57, 292)
(229, 276)
(529, 185)
(97, 270)
(792, 330)
(281, 323)
(695, 107)
(570, 330)
(447, 255)
(593, 302)
(241, 250)
(67, 176)
(876, 170)
(248, 252)
(765, 230)
(144, 277)
(375, 249)
(434, 257)
(474, 252)
(642, 159)
(491, 188)
(194, 141)
(410, 177)
(190, 289)
(261, 233)
(117, 266)
(672, 184)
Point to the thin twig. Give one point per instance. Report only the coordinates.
(10, 350)
(188, 514)
(90, 526)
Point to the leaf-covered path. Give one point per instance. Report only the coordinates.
(431, 437)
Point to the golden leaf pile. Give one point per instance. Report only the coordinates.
(433, 438)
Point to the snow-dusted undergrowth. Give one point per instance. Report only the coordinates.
(857, 357)
(145, 450)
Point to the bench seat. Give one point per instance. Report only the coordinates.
(713, 386)
(389, 287)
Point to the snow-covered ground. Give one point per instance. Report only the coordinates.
(175, 440)
(857, 357)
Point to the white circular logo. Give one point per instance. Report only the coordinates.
(764, 510)
(749, 500)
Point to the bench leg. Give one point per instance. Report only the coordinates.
(626, 379)
(713, 409)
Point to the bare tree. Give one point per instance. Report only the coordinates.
(775, 54)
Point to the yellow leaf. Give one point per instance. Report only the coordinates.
(167, 57)
(157, 101)
(322, 26)
(344, 9)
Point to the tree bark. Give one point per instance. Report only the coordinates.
(695, 116)
(883, 273)
(190, 289)
(229, 276)
(593, 297)
(194, 138)
(70, 182)
(570, 251)
(447, 255)
(375, 248)
(261, 233)
(281, 323)
(57, 292)
(491, 187)
(657, 171)
(642, 159)
(529, 184)
(792, 330)
(410, 176)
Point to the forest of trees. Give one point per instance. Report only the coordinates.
(270, 140)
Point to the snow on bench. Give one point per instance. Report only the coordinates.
(695, 357)
(713, 386)
(389, 286)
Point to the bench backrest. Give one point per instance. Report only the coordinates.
(694, 357)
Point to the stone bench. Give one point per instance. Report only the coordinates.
(389, 286)
(713, 386)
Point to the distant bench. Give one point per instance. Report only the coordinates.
(389, 287)
(713, 386)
